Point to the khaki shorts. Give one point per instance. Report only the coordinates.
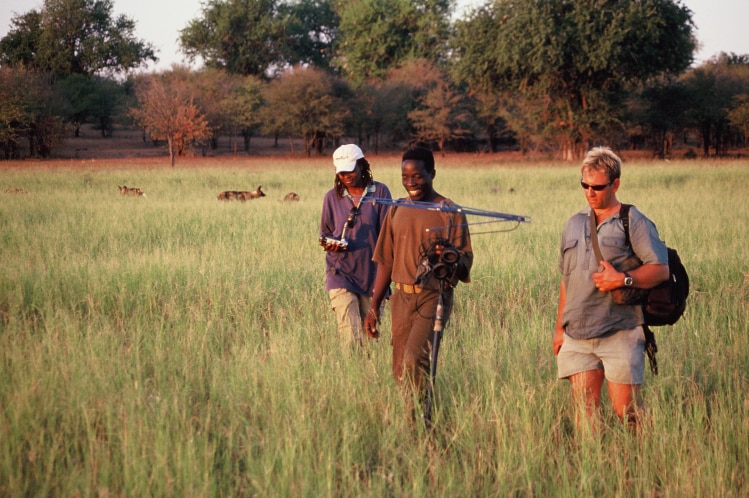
(621, 355)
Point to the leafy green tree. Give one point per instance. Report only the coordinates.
(77, 90)
(29, 109)
(97, 98)
(242, 106)
(712, 87)
(739, 115)
(107, 103)
(240, 36)
(377, 35)
(12, 110)
(305, 102)
(663, 113)
(19, 47)
(166, 107)
(578, 57)
(311, 30)
(261, 37)
(74, 37)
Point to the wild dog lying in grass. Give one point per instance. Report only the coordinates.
(242, 195)
(125, 190)
(291, 196)
(16, 191)
(245, 195)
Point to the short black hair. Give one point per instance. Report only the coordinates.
(420, 154)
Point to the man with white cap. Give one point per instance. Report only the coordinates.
(349, 228)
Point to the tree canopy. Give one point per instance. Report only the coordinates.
(69, 37)
(260, 37)
(578, 56)
(377, 35)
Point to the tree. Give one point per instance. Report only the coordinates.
(12, 110)
(211, 88)
(242, 106)
(739, 115)
(376, 35)
(311, 30)
(29, 108)
(305, 102)
(663, 113)
(74, 37)
(19, 47)
(166, 108)
(712, 87)
(442, 113)
(261, 37)
(579, 56)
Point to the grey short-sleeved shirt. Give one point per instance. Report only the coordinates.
(588, 312)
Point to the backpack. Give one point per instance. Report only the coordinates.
(665, 303)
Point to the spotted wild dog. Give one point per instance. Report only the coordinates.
(125, 190)
(245, 195)
(16, 191)
(291, 196)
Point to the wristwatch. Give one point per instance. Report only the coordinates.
(628, 280)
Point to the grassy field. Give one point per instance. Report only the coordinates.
(176, 345)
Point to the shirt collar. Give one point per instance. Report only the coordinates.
(370, 189)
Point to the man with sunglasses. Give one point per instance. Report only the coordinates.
(594, 338)
(349, 228)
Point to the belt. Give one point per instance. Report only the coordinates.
(408, 289)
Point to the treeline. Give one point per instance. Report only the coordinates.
(532, 75)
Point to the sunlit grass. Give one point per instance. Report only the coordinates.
(177, 345)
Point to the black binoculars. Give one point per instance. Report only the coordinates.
(445, 265)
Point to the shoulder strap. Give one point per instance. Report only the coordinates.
(594, 237)
(624, 215)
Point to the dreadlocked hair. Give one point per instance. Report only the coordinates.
(366, 177)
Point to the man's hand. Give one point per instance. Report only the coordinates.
(608, 278)
(370, 324)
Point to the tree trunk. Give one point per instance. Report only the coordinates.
(170, 141)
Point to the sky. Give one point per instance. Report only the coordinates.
(720, 24)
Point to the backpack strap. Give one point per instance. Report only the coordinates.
(594, 239)
(624, 215)
(651, 348)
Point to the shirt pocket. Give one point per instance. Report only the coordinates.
(569, 256)
(615, 250)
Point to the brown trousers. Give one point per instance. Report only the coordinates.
(413, 332)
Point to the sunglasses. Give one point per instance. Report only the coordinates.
(597, 188)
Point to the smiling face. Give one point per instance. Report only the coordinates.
(352, 180)
(417, 180)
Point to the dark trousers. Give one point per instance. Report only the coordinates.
(413, 332)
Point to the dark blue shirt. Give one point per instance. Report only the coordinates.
(353, 269)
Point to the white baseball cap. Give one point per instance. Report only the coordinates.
(345, 157)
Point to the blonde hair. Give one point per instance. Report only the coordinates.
(603, 159)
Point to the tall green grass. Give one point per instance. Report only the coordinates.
(176, 345)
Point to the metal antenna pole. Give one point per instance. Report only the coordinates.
(436, 339)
